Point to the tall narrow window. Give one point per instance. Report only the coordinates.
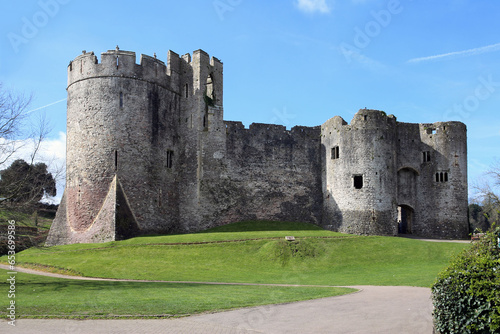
(205, 121)
(186, 91)
(116, 160)
(117, 61)
(170, 156)
(335, 152)
(210, 87)
(121, 100)
(358, 181)
(426, 156)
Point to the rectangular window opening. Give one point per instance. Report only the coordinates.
(116, 160)
(121, 100)
(358, 181)
(335, 152)
(442, 177)
(170, 156)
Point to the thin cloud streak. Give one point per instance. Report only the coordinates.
(470, 52)
(45, 106)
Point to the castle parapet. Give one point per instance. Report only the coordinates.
(370, 118)
(119, 63)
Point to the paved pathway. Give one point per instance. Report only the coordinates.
(374, 309)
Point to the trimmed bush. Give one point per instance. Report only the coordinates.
(466, 295)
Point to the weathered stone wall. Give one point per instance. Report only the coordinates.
(358, 183)
(122, 121)
(399, 163)
(149, 151)
(202, 134)
(268, 173)
(440, 205)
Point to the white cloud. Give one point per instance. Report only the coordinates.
(312, 6)
(469, 52)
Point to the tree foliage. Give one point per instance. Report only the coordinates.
(485, 207)
(481, 216)
(26, 183)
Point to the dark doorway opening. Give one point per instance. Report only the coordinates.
(405, 219)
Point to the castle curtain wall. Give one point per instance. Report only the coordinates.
(149, 152)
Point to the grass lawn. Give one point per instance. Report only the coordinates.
(338, 260)
(46, 297)
(317, 257)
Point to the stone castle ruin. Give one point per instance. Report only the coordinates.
(148, 151)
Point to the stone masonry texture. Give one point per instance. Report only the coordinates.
(148, 151)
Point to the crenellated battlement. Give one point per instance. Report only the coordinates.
(264, 130)
(120, 63)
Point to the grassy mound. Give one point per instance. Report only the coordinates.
(248, 252)
(317, 257)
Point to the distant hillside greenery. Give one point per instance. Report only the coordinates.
(32, 225)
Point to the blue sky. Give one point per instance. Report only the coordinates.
(291, 62)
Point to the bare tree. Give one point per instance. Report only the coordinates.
(18, 133)
(13, 114)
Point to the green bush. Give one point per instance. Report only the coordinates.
(466, 295)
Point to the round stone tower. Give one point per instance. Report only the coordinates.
(122, 124)
(359, 186)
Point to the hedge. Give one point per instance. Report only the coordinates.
(466, 295)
